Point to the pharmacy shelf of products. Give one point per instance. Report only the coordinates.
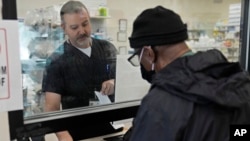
(224, 37)
(230, 47)
(194, 34)
(219, 32)
(226, 31)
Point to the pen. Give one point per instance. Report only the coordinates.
(108, 70)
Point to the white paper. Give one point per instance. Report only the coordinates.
(103, 99)
(10, 67)
(117, 126)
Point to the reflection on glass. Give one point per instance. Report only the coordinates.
(210, 25)
(68, 75)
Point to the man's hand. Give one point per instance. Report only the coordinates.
(108, 87)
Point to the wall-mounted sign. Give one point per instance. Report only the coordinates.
(121, 36)
(10, 67)
(123, 25)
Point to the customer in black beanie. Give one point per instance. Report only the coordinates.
(193, 97)
(157, 26)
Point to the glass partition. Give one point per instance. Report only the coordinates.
(211, 24)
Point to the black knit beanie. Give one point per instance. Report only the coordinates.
(157, 26)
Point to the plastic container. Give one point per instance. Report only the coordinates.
(103, 11)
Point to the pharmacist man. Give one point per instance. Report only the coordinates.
(78, 68)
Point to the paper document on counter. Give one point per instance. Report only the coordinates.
(103, 99)
(117, 126)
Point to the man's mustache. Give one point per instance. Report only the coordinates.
(83, 36)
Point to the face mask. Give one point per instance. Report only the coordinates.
(147, 75)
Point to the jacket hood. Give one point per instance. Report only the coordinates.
(205, 77)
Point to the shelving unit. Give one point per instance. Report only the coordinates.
(234, 14)
(99, 24)
(194, 34)
(228, 29)
(100, 17)
(225, 34)
(219, 32)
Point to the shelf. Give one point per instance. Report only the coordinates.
(193, 39)
(220, 30)
(100, 17)
(196, 30)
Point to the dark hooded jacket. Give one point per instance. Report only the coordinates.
(195, 98)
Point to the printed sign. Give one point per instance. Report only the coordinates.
(4, 79)
(10, 67)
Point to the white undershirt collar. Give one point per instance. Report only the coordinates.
(86, 51)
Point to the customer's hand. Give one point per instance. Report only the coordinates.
(108, 87)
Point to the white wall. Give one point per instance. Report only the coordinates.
(196, 13)
(202, 13)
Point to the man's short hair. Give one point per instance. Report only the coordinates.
(72, 7)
